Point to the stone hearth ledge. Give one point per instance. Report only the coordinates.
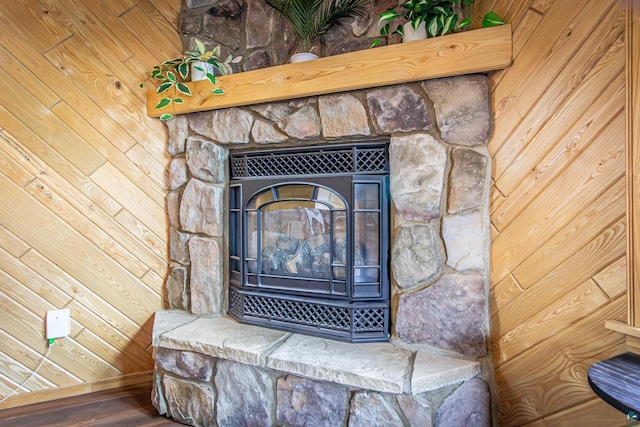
(380, 367)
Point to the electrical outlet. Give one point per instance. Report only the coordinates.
(58, 323)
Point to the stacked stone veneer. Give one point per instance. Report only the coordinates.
(439, 179)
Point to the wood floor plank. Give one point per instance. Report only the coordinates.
(111, 355)
(117, 7)
(18, 373)
(521, 34)
(150, 27)
(149, 56)
(78, 20)
(568, 389)
(22, 323)
(11, 167)
(593, 413)
(130, 349)
(15, 274)
(150, 166)
(158, 244)
(105, 222)
(542, 6)
(12, 66)
(169, 9)
(129, 406)
(511, 11)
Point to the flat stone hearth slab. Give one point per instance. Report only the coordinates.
(431, 371)
(375, 366)
(380, 367)
(224, 338)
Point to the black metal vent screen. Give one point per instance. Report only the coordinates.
(326, 161)
(344, 321)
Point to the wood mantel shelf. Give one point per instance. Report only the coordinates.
(466, 52)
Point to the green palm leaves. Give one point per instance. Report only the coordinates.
(313, 18)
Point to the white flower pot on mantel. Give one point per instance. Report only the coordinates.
(200, 75)
(303, 56)
(411, 34)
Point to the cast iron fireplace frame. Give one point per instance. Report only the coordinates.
(358, 315)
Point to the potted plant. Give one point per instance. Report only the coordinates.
(313, 18)
(430, 18)
(174, 72)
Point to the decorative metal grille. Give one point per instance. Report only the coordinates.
(296, 311)
(318, 162)
(368, 319)
(344, 321)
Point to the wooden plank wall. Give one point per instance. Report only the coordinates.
(558, 209)
(83, 177)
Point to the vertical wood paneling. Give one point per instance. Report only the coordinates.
(633, 155)
(83, 177)
(558, 255)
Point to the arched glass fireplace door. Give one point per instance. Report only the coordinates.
(297, 240)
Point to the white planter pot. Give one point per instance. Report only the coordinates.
(410, 34)
(200, 75)
(303, 56)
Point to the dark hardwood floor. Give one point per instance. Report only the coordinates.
(129, 406)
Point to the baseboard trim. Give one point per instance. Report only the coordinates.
(76, 390)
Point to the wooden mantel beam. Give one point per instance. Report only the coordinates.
(455, 54)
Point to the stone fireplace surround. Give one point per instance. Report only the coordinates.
(210, 370)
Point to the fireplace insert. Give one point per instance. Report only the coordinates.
(309, 240)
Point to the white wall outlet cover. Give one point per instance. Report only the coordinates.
(58, 323)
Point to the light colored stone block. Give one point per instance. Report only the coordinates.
(166, 320)
(224, 338)
(465, 242)
(431, 371)
(375, 366)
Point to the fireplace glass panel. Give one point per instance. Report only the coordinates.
(297, 231)
(296, 191)
(295, 239)
(367, 196)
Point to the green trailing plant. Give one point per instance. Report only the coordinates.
(313, 18)
(440, 17)
(173, 73)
